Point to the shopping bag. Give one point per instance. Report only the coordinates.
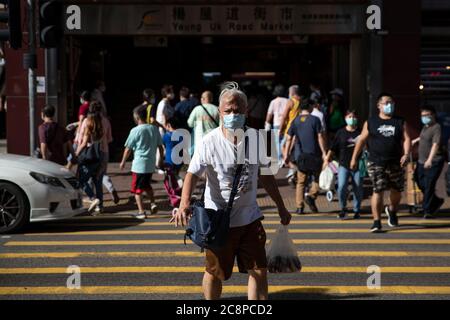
(282, 255)
(327, 179)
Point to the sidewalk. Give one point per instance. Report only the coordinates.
(122, 181)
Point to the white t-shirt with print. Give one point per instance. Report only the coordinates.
(216, 156)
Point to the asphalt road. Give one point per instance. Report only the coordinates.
(124, 258)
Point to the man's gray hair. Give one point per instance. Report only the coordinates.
(231, 89)
(295, 88)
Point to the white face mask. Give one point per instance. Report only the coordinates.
(81, 100)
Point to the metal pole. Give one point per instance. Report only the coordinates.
(32, 72)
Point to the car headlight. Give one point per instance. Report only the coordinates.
(42, 178)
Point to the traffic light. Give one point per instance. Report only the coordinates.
(11, 16)
(50, 23)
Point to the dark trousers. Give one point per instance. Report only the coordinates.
(426, 180)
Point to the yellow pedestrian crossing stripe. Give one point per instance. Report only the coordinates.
(367, 222)
(181, 231)
(179, 242)
(105, 290)
(188, 254)
(188, 269)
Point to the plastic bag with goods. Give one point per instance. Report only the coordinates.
(282, 255)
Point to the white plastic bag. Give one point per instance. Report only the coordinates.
(327, 179)
(282, 255)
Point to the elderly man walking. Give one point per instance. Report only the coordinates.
(217, 156)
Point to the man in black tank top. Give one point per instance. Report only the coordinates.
(389, 144)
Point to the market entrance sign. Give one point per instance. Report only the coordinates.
(220, 20)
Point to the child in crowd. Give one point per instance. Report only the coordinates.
(144, 140)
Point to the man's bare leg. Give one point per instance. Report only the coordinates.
(139, 202)
(377, 205)
(257, 284)
(212, 287)
(395, 198)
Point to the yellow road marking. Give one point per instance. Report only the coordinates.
(179, 242)
(188, 269)
(276, 222)
(100, 290)
(187, 254)
(179, 231)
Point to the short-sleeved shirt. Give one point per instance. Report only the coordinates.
(216, 156)
(385, 140)
(277, 107)
(183, 109)
(343, 145)
(144, 140)
(83, 110)
(202, 122)
(169, 144)
(54, 136)
(429, 136)
(319, 114)
(307, 128)
(164, 112)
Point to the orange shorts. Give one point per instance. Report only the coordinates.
(247, 243)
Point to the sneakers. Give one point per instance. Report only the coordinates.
(343, 214)
(153, 208)
(293, 181)
(311, 204)
(115, 196)
(392, 217)
(376, 227)
(141, 215)
(98, 210)
(428, 216)
(94, 203)
(357, 215)
(300, 210)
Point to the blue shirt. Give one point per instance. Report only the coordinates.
(144, 140)
(306, 128)
(183, 109)
(169, 145)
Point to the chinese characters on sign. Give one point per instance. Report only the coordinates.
(222, 19)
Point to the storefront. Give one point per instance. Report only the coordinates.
(133, 45)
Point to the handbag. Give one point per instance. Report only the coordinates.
(90, 154)
(209, 228)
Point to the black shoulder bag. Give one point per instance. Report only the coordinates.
(209, 228)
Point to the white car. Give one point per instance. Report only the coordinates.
(35, 190)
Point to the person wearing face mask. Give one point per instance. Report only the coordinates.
(389, 144)
(217, 157)
(431, 161)
(343, 145)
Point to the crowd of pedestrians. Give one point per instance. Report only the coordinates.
(312, 130)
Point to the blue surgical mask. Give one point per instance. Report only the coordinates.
(389, 108)
(352, 122)
(233, 121)
(426, 120)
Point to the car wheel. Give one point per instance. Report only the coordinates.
(14, 208)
